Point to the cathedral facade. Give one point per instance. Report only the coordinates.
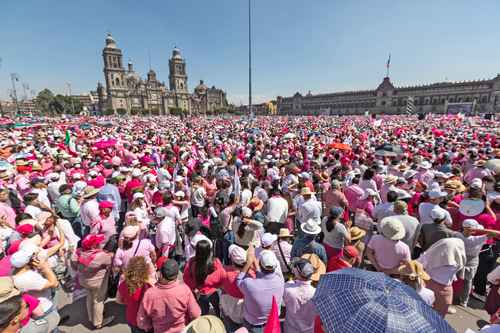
(126, 92)
(483, 96)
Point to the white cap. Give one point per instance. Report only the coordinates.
(237, 254)
(268, 260)
(470, 223)
(476, 183)
(304, 175)
(77, 176)
(198, 238)
(115, 174)
(93, 173)
(434, 194)
(438, 213)
(136, 173)
(54, 175)
(179, 194)
(138, 195)
(246, 212)
(268, 239)
(179, 179)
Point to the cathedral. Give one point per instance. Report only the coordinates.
(126, 92)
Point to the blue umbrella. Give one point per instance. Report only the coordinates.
(358, 301)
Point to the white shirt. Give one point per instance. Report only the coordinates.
(246, 196)
(89, 211)
(165, 233)
(43, 196)
(383, 210)
(473, 245)
(310, 209)
(444, 275)
(198, 198)
(427, 295)
(277, 209)
(33, 211)
(424, 213)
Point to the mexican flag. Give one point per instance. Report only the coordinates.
(70, 144)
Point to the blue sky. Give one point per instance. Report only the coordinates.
(317, 45)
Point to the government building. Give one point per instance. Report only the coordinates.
(126, 92)
(475, 96)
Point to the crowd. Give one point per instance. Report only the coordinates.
(227, 225)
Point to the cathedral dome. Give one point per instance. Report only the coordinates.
(201, 88)
(176, 53)
(110, 42)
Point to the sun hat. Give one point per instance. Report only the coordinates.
(306, 191)
(200, 237)
(303, 268)
(390, 179)
(471, 223)
(425, 165)
(284, 233)
(106, 204)
(471, 207)
(130, 231)
(246, 212)
(89, 191)
(310, 227)
(268, 260)
(77, 176)
(455, 185)
(409, 174)
(205, 324)
(437, 213)
(237, 254)
(7, 288)
(319, 266)
(480, 163)
(392, 228)
(356, 233)
(136, 173)
(368, 193)
(435, 194)
(413, 270)
(92, 240)
(268, 239)
(138, 195)
(476, 183)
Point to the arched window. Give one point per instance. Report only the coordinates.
(459, 99)
(484, 99)
(117, 82)
(443, 100)
(451, 99)
(467, 99)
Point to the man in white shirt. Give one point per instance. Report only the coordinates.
(425, 208)
(89, 211)
(165, 232)
(277, 211)
(310, 209)
(385, 209)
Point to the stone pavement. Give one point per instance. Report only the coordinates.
(464, 318)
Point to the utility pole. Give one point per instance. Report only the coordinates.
(250, 107)
(13, 78)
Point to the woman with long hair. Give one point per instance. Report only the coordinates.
(204, 274)
(131, 290)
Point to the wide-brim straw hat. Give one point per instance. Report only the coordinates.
(284, 233)
(205, 324)
(412, 270)
(89, 192)
(357, 233)
(319, 266)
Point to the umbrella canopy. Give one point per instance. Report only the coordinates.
(397, 149)
(359, 301)
(340, 146)
(494, 165)
(103, 144)
(385, 153)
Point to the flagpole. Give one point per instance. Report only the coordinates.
(250, 108)
(14, 78)
(388, 65)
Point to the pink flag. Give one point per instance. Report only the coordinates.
(273, 320)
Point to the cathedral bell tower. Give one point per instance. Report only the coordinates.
(178, 77)
(114, 74)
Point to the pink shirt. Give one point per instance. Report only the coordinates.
(122, 257)
(167, 308)
(389, 254)
(353, 193)
(9, 213)
(104, 226)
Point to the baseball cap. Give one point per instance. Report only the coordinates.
(237, 254)
(304, 268)
(438, 213)
(268, 260)
(268, 239)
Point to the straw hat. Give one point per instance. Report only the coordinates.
(412, 270)
(205, 324)
(306, 191)
(89, 191)
(7, 289)
(392, 228)
(318, 265)
(390, 179)
(284, 233)
(455, 185)
(357, 233)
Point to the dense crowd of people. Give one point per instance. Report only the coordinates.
(220, 225)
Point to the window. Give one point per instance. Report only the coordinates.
(117, 82)
(451, 99)
(484, 99)
(383, 103)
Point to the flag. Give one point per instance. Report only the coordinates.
(273, 320)
(389, 61)
(68, 141)
(237, 183)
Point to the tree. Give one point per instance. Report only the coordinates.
(43, 101)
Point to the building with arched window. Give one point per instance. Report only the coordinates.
(388, 99)
(127, 92)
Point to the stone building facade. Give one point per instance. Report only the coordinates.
(388, 99)
(207, 100)
(126, 90)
